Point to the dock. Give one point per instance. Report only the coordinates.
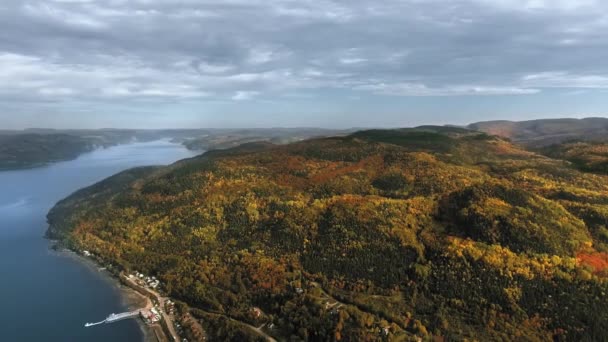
(115, 318)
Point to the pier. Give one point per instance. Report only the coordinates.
(115, 318)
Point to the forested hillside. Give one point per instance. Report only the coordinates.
(384, 235)
(586, 156)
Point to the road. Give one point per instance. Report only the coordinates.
(257, 330)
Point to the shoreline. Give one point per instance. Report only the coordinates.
(129, 298)
(32, 165)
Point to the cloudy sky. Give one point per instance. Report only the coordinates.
(262, 63)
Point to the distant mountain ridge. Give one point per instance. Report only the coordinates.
(543, 132)
(34, 147)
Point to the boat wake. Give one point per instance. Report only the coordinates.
(92, 324)
(14, 205)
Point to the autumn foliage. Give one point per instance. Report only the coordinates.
(436, 233)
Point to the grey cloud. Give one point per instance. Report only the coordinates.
(126, 50)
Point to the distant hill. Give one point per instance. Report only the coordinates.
(429, 233)
(29, 150)
(40, 146)
(536, 133)
(227, 138)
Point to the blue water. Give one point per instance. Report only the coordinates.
(48, 296)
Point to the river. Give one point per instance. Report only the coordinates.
(45, 295)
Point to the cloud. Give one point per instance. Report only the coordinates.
(170, 50)
(119, 78)
(41, 12)
(561, 79)
(244, 95)
(352, 60)
(559, 5)
(414, 89)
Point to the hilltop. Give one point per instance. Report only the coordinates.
(379, 235)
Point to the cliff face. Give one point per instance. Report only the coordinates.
(383, 234)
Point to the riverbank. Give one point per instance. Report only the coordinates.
(131, 299)
(41, 284)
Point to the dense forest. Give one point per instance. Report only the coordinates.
(432, 233)
(586, 156)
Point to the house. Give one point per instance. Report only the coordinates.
(150, 316)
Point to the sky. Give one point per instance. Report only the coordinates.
(295, 63)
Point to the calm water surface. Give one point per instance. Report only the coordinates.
(47, 296)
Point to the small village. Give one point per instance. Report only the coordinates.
(144, 281)
(150, 316)
(163, 309)
(158, 310)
